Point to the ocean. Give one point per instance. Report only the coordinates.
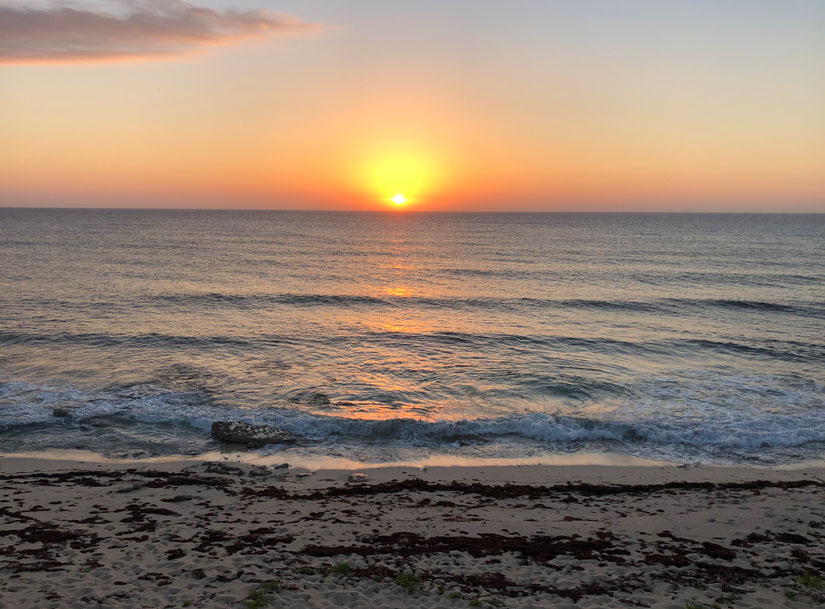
(396, 336)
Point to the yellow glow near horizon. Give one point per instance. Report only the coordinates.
(399, 176)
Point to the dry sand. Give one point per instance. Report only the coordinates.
(222, 534)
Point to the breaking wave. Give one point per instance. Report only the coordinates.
(24, 406)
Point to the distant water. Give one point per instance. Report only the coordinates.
(381, 336)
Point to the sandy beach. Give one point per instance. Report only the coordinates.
(226, 534)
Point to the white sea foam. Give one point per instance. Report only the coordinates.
(662, 422)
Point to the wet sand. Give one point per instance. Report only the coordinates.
(225, 534)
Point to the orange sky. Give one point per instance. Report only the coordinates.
(524, 106)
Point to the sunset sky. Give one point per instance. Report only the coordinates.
(453, 104)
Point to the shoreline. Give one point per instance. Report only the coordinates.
(223, 533)
(313, 463)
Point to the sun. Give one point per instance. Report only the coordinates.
(399, 199)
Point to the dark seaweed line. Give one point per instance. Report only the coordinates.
(158, 479)
(509, 491)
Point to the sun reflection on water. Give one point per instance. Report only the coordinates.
(399, 291)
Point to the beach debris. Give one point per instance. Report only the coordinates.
(281, 466)
(178, 499)
(216, 467)
(251, 435)
(260, 471)
(358, 477)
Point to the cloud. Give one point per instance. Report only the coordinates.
(133, 30)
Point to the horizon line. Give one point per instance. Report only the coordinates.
(408, 211)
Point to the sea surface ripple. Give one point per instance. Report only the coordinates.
(384, 336)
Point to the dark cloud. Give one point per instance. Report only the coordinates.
(135, 29)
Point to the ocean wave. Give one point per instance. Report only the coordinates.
(721, 278)
(553, 429)
(754, 305)
(787, 350)
(219, 298)
(94, 339)
(804, 309)
(23, 404)
(791, 351)
(667, 305)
